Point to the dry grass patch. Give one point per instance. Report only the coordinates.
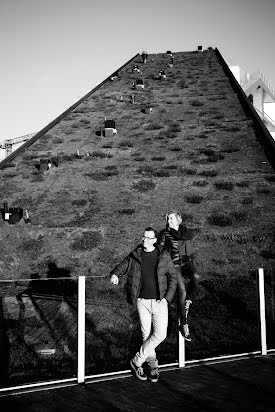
(200, 183)
(87, 241)
(194, 198)
(209, 173)
(224, 185)
(144, 185)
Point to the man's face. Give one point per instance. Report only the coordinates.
(172, 220)
(148, 239)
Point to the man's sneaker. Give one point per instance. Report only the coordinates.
(188, 302)
(184, 330)
(138, 371)
(153, 375)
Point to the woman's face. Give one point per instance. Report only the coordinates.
(172, 220)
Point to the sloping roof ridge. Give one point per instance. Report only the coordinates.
(37, 135)
(252, 84)
(259, 74)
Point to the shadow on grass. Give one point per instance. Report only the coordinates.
(57, 282)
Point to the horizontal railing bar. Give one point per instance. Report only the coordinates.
(225, 357)
(67, 298)
(39, 385)
(173, 366)
(61, 278)
(126, 373)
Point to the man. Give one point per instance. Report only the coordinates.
(151, 285)
(177, 239)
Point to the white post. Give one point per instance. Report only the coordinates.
(81, 330)
(262, 311)
(181, 341)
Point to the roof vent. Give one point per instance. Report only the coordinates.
(162, 75)
(144, 56)
(147, 110)
(6, 214)
(171, 64)
(44, 165)
(78, 155)
(110, 128)
(110, 124)
(12, 215)
(114, 76)
(136, 69)
(16, 214)
(138, 84)
(26, 216)
(55, 161)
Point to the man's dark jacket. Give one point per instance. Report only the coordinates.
(131, 266)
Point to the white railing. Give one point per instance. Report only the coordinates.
(81, 330)
(269, 118)
(265, 116)
(262, 311)
(81, 378)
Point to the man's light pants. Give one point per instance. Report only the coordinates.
(153, 316)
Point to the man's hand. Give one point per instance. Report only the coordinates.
(114, 280)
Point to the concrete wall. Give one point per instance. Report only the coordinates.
(241, 76)
(2, 154)
(3, 151)
(269, 109)
(262, 133)
(258, 100)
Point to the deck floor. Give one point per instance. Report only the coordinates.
(242, 385)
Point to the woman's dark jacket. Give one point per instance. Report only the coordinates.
(177, 243)
(131, 266)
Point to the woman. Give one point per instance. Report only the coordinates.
(177, 239)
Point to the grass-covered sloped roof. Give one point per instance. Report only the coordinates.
(195, 151)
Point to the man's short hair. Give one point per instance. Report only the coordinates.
(151, 229)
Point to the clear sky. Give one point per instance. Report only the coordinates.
(55, 51)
